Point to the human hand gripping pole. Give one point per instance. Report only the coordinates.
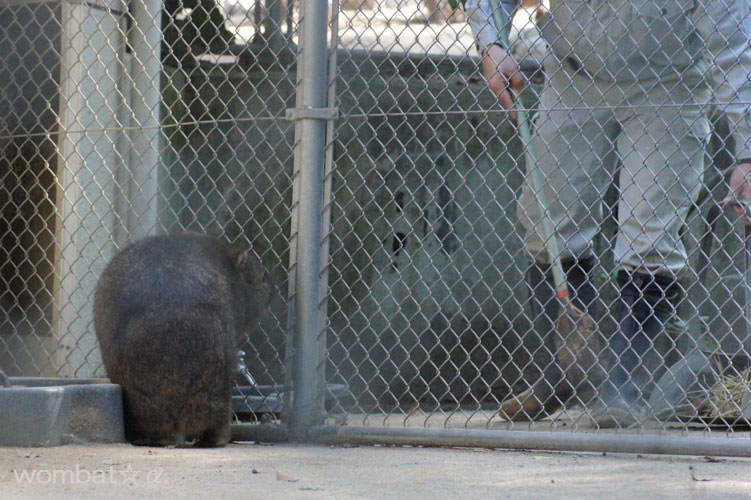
(573, 326)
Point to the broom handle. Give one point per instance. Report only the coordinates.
(533, 171)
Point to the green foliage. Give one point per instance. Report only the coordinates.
(455, 4)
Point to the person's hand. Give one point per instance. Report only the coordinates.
(502, 73)
(739, 194)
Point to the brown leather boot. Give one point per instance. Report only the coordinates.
(569, 343)
(535, 403)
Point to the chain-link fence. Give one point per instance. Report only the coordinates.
(118, 122)
(363, 152)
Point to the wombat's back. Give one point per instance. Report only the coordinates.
(177, 374)
(166, 271)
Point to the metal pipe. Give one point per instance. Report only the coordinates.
(745, 344)
(554, 441)
(272, 26)
(267, 433)
(257, 8)
(290, 19)
(328, 173)
(309, 158)
(69, 167)
(145, 38)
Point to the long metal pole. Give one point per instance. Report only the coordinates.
(310, 134)
(273, 25)
(326, 229)
(69, 167)
(145, 38)
(556, 441)
(745, 344)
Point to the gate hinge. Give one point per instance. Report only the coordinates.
(312, 113)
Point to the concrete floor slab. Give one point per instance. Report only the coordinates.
(290, 471)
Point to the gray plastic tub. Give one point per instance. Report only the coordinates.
(55, 411)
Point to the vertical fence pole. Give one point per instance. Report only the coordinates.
(91, 46)
(68, 193)
(745, 344)
(145, 38)
(328, 173)
(273, 25)
(310, 132)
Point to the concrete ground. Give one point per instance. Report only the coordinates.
(291, 471)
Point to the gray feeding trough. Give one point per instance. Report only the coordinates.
(38, 411)
(251, 401)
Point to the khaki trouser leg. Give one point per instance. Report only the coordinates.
(662, 150)
(574, 139)
(660, 131)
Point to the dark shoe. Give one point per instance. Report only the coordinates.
(645, 305)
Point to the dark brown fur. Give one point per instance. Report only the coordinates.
(170, 313)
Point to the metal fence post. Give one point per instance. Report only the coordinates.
(91, 46)
(145, 37)
(273, 25)
(309, 169)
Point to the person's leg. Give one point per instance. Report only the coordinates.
(662, 148)
(573, 140)
(645, 304)
(559, 381)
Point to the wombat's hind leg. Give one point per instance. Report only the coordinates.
(165, 439)
(218, 432)
(216, 437)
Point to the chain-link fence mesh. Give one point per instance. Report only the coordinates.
(119, 121)
(122, 119)
(443, 308)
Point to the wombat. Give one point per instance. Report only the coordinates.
(170, 313)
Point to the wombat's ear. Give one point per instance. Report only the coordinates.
(242, 260)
